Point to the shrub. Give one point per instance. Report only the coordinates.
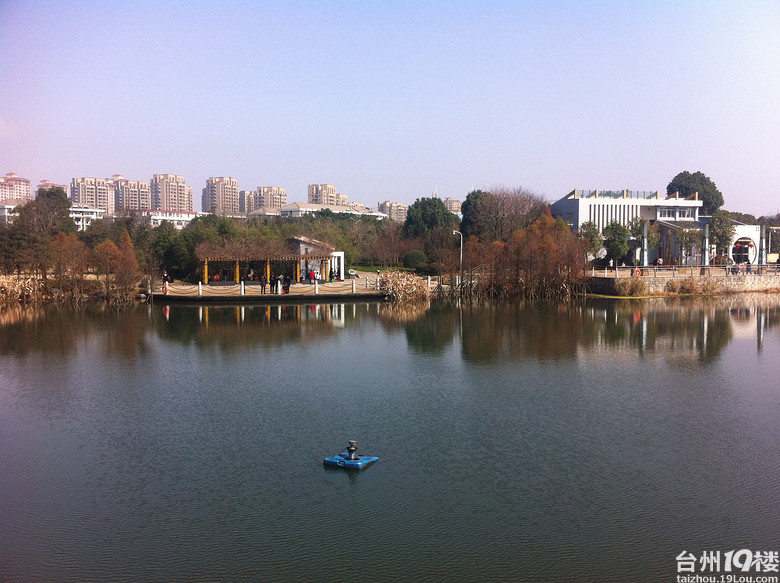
(414, 259)
(690, 286)
(402, 286)
(709, 286)
(631, 286)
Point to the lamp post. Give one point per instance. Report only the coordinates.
(461, 249)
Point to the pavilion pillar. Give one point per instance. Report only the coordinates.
(297, 271)
(237, 274)
(206, 270)
(268, 270)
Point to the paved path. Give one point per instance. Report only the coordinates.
(298, 291)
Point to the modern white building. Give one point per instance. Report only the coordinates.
(605, 206)
(299, 209)
(179, 219)
(84, 215)
(747, 245)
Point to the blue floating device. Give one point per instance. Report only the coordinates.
(348, 459)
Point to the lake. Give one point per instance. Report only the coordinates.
(596, 441)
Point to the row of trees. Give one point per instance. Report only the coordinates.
(508, 236)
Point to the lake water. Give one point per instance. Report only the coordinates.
(594, 442)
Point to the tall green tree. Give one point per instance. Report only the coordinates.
(688, 240)
(38, 224)
(471, 210)
(589, 232)
(616, 240)
(686, 184)
(426, 215)
(721, 231)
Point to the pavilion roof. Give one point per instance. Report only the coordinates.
(246, 250)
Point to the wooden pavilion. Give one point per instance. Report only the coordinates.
(299, 250)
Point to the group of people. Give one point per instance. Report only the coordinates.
(276, 282)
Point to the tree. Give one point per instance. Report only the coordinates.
(546, 259)
(126, 272)
(498, 214)
(38, 223)
(470, 209)
(636, 227)
(687, 184)
(104, 258)
(425, 215)
(616, 240)
(589, 232)
(721, 231)
(688, 239)
(70, 260)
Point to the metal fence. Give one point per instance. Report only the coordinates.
(686, 270)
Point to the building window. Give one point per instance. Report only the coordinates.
(666, 213)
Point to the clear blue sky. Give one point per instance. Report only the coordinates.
(390, 100)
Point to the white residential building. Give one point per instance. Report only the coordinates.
(220, 196)
(171, 193)
(131, 194)
(84, 215)
(12, 186)
(263, 197)
(179, 219)
(93, 193)
(326, 194)
(299, 209)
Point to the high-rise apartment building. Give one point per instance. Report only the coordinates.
(221, 196)
(171, 193)
(47, 184)
(94, 193)
(272, 197)
(12, 186)
(395, 211)
(326, 194)
(454, 206)
(131, 194)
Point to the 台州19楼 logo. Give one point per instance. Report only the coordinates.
(728, 566)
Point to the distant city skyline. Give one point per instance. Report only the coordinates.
(396, 100)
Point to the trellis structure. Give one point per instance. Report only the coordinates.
(235, 253)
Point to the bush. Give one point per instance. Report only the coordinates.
(693, 286)
(630, 286)
(402, 286)
(415, 259)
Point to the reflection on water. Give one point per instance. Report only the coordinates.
(517, 443)
(697, 329)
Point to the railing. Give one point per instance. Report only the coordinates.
(686, 270)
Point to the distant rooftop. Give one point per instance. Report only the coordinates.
(635, 194)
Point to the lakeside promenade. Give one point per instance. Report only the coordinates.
(362, 288)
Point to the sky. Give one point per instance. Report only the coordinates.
(393, 100)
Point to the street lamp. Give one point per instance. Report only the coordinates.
(461, 248)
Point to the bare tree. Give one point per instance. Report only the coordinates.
(497, 214)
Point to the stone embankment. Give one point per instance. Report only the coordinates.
(668, 280)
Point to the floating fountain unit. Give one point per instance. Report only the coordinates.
(349, 459)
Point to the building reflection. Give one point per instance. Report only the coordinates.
(682, 331)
